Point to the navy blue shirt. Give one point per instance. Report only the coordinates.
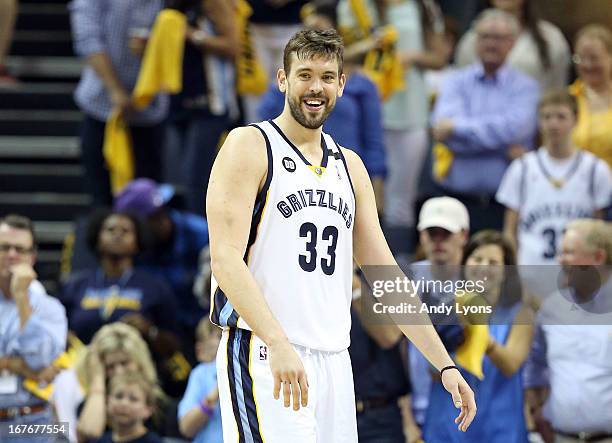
(376, 372)
(93, 300)
(264, 13)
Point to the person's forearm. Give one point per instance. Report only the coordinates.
(193, 421)
(386, 336)
(235, 279)
(101, 63)
(23, 308)
(218, 45)
(92, 420)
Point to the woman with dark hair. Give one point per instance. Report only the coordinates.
(540, 51)
(506, 334)
(118, 291)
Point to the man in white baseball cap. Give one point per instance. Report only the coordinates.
(443, 226)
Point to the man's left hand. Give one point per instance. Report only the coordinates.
(443, 130)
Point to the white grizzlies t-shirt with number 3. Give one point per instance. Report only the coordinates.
(548, 193)
(300, 250)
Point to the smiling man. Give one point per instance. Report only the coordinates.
(288, 212)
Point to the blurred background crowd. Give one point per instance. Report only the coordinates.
(485, 125)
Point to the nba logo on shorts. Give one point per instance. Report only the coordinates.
(263, 353)
(289, 164)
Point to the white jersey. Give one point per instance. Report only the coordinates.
(300, 250)
(547, 194)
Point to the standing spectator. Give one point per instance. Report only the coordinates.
(8, 14)
(546, 188)
(272, 24)
(444, 226)
(593, 89)
(198, 412)
(489, 258)
(568, 375)
(356, 120)
(111, 36)
(33, 328)
(202, 111)
(484, 117)
(131, 401)
(540, 50)
(421, 46)
(178, 239)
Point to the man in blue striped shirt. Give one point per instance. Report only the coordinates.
(111, 36)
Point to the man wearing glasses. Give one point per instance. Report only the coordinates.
(33, 331)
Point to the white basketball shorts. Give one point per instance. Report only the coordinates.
(249, 412)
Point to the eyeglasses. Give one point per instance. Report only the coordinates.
(583, 60)
(21, 250)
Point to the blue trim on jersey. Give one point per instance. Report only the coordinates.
(226, 312)
(298, 152)
(239, 391)
(232, 383)
(247, 385)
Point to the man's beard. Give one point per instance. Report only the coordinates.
(295, 106)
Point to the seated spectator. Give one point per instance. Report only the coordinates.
(540, 50)
(204, 108)
(593, 89)
(80, 391)
(8, 15)
(568, 375)
(111, 38)
(497, 384)
(198, 412)
(119, 291)
(130, 402)
(178, 239)
(32, 328)
(355, 122)
(484, 117)
(545, 189)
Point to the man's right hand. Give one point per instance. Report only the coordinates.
(288, 370)
(22, 275)
(122, 101)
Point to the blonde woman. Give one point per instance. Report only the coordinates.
(116, 348)
(593, 90)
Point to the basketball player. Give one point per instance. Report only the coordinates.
(288, 210)
(547, 188)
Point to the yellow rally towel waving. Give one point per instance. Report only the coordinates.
(161, 71)
(471, 353)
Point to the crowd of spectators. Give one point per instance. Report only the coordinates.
(489, 155)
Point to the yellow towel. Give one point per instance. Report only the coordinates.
(382, 65)
(64, 361)
(251, 77)
(471, 353)
(442, 160)
(161, 71)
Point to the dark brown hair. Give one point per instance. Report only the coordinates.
(20, 222)
(311, 43)
(512, 289)
(559, 97)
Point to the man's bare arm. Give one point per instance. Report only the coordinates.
(236, 178)
(371, 249)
